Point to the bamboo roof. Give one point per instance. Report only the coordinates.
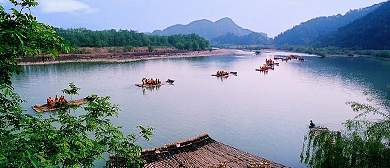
(202, 151)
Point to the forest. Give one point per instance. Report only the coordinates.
(370, 32)
(308, 32)
(362, 29)
(82, 37)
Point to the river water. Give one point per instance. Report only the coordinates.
(263, 114)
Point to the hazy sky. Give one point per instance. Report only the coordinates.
(268, 16)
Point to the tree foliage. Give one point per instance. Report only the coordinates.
(66, 140)
(364, 143)
(56, 141)
(22, 35)
(111, 38)
(72, 91)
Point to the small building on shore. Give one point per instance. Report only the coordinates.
(201, 151)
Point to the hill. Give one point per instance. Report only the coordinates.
(307, 32)
(249, 39)
(371, 31)
(206, 29)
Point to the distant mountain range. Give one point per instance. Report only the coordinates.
(371, 31)
(307, 32)
(205, 28)
(210, 30)
(249, 39)
(366, 28)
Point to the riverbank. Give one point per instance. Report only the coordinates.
(337, 52)
(283, 52)
(355, 54)
(102, 55)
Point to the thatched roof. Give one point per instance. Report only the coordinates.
(202, 151)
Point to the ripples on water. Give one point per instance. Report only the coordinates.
(264, 114)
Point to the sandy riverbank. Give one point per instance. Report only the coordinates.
(123, 56)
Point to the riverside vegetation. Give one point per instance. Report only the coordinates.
(364, 143)
(129, 39)
(62, 141)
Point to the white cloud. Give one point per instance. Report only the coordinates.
(2, 1)
(65, 6)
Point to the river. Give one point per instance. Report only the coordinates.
(263, 114)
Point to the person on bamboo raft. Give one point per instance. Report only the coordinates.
(312, 125)
(50, 102)
(62, 100)
(151, 81)
(222, 73)
(56, 102)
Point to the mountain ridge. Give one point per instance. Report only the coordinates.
(307, 32)
(371, 31)
(206, 28)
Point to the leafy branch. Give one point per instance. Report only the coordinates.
(62, 141)
(72, 91)
(363, 144)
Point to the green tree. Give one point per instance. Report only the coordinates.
(128, 48)
(365, 143)
(150, 48)
(64, 140)
(72, 91)
(179, 46)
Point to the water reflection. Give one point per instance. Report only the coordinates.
(150, 89)
(266, 115)
(222, 78)
(263, 72)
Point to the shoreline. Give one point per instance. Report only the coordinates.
(121, 57)
(334, 55)
(285, 51)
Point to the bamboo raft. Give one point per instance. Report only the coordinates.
(45, 108)
(220, 75)
(201, 151)
(226, 75)
(152, 85)
(275, 63)
(319, 128)
(261, 70)
(264, 69)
